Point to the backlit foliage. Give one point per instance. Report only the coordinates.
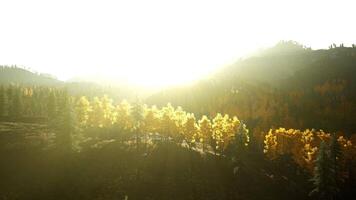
(302, 146)
(168, 122)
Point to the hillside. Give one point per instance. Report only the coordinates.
(285, 86)
(252, 131)
(12, 75)
(16, 75)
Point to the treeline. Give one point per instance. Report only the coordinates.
(300, 89)
(18, 101)
(18, 75)
(138, 121)
(329, 158)
(329, 106)
(82, 122)
(67, 114)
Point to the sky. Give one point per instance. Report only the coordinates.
(159, 43)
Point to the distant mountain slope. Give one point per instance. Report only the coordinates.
(288, 60)
(288, 85)
(16, 75)
(20, 76)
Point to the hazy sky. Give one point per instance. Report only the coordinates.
(160, 42)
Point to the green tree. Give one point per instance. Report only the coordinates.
(17, 106)
(335, 158)
(2, 101)
(137, 113)
(241, 139)
(9, 100)
(51, 105)
(324, 183)
(65, 124)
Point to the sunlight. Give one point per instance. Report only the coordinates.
(158, 43)
(188, 99)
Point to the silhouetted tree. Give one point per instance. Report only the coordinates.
(2, 101)
(51, 105)
(138, 116)
(324, 183)
(335, 157)
(65, 124)
(17, 105)
(9, 95)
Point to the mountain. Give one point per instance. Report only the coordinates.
(80, 87)
(289, 60)
(288, 85)
(16, 75)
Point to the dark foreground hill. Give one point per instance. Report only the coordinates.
(115, 170)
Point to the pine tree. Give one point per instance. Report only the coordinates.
(65, 125)
(335, 157)
(17, 106)
(51, 105)
(9, 100)
(241, 138)
(325, 186)
(137, 116)
(2, 101)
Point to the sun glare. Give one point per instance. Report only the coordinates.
(158, 43)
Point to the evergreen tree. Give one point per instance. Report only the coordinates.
(324, 183)
(9, 99)
(241, 138)
(2, 101)
(51, 105)
(138, 116)
(65, 125)
(335, 157)
(17, 106)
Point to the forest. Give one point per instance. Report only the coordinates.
(279, 124)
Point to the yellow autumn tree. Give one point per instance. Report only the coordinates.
(168, 127)
(151, 120)
(108, 111)
(122, 117)
(205, 131)
(82, 110)
(219, 131)
(96, 116)
(190, 129)
(180, 118)
(302, 146)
